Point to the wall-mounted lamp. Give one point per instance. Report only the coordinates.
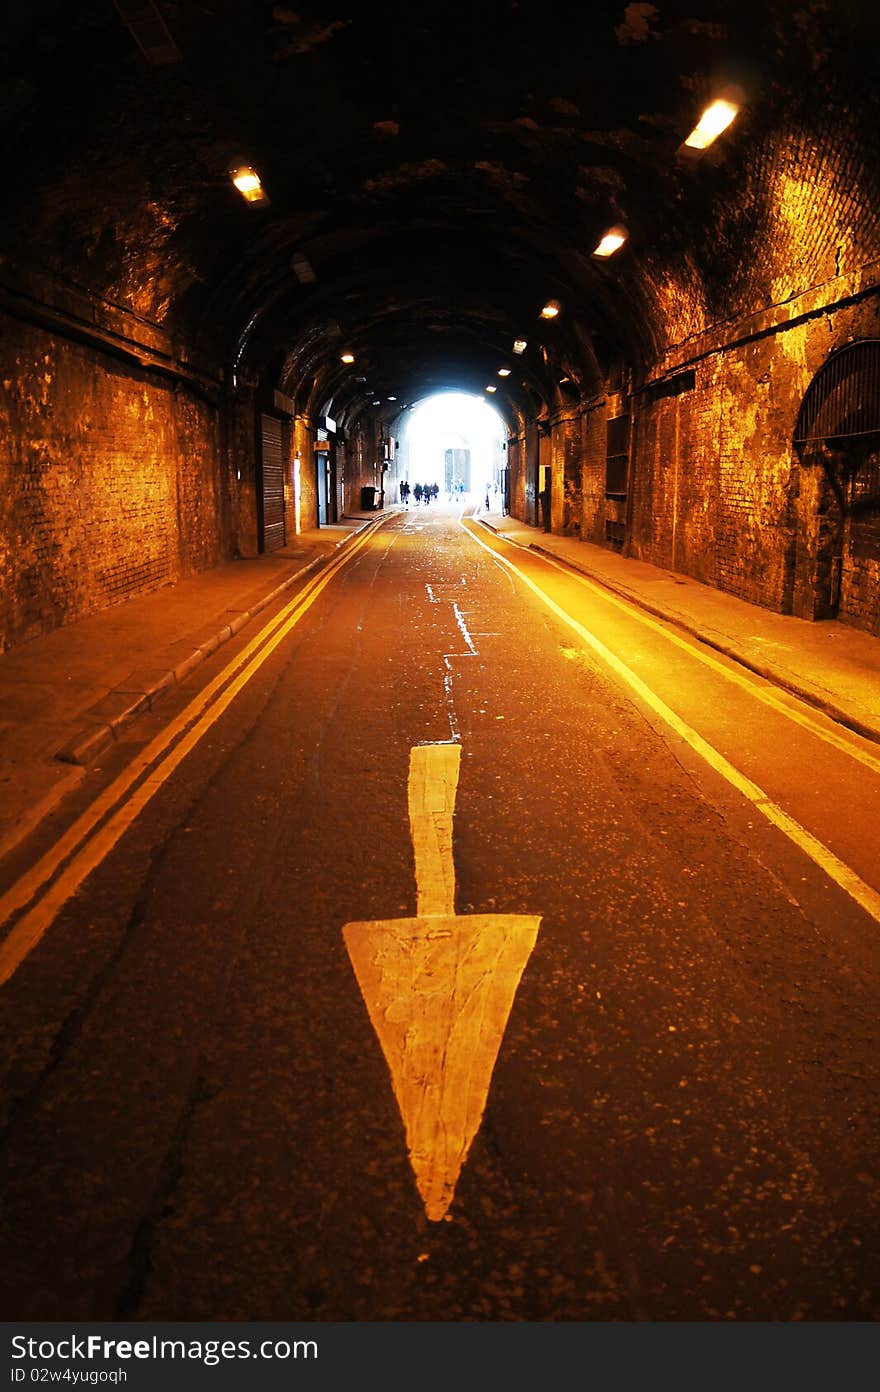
(715, 119)
(551, 309)
(247, 181)
(611, 241)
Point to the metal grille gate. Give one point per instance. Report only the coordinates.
(838, 428)
(841, 407)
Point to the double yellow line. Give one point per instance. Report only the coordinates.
(39, 895)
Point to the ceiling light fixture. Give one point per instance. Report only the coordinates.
(391, 398)
(248, 183)
(715, 119)
(491, 389)
(519, 345)
(504, 372)
(551, 309)
(347, 358)
(611, 241)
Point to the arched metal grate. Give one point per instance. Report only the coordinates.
(841, 407)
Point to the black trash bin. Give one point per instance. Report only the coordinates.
(368, 500)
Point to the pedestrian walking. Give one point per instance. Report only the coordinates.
(544, 499)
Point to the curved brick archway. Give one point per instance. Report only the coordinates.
(403, 246)
(837, 440)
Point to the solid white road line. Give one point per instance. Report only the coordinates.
(755, 685)
(864, 895)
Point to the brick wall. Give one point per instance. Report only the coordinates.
(303, 450)
(516, 476)
(787, 205)
(773, 265)
(718, 491)
(593, 473)
(361, 471)
(243, 465)
(111, 482)
(567, 452)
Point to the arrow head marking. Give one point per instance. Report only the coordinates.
(439, 991)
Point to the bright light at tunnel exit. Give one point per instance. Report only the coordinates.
(454, 421)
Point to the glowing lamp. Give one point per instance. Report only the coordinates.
(520, 345)
(504, 372)
(491, 389)
(248, 183)
(611, 241)
(551, 309)
(715, 119)
(347, 358)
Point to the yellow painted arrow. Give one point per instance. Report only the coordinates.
(439, 989)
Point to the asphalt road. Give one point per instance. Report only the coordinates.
(681, 1123)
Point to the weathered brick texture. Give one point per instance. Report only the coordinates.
(303, 450)
(774, 270)
(567, 451)
(593, 474)
(111, 483)
(719, 492)
(362, 468)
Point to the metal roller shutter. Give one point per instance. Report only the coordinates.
(273, 484)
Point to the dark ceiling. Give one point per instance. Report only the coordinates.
(442, 171)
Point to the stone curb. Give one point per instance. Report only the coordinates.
(772, 674)
(92, 739)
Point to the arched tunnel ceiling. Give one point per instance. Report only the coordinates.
(440, 172)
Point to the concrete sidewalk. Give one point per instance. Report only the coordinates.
(65, 696)
(832, 666)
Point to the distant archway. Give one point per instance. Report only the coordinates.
(457, 441)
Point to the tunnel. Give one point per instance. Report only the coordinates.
(448, 907)
(412, 192)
